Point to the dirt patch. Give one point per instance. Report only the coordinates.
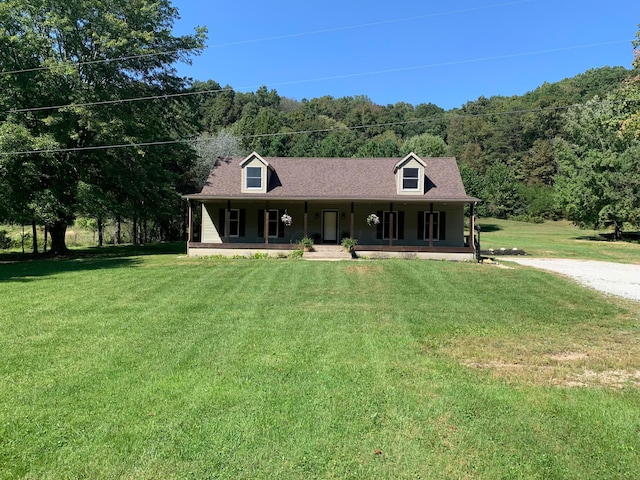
(363, 269)
(608, 378)
(568, 356)
(541, 374)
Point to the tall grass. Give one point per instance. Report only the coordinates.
(168, 367)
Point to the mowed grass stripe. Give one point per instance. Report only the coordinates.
(165, 367)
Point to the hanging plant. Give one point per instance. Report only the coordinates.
(373, 219)
(286, 219)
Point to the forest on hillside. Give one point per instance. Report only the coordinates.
(510, 149)
(96, 125)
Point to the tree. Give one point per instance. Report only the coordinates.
(426, 145)
(501, 194)
(598, 180)
(209, 149)
(21, 175)
(72, 53)
(386, 144)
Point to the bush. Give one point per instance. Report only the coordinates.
(6, 241)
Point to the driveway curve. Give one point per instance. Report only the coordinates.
(618, 279)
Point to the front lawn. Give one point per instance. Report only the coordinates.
(555, 239)
(160, 366)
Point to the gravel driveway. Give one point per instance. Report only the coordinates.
(614, 278)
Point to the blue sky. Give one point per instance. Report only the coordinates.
(441, 52)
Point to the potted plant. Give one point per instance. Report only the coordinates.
(348, 243)
(306, 243)
(373, 219)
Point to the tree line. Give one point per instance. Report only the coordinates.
(118, 141)
(523, 155)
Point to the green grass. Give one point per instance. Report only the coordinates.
(555, 239)
(160, 366)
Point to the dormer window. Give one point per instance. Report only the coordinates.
(411, 178)
(255, 174)
(410, 175)
(254, 178)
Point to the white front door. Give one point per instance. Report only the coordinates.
(330, 226)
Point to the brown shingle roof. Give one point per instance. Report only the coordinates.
(336, 178)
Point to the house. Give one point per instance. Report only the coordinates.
(420, 204)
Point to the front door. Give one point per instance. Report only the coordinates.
(330, 226)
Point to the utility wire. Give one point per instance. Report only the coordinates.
(365, 25)
(299, 132)
(93, 62)
(265, 39)
(317, 79)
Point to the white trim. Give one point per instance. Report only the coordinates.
(410, 156)
(247, 177)
(416, 178)
(251, 157)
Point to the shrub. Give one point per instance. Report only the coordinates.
(5, 240)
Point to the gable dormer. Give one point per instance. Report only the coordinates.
(255, 174)
(409, 174)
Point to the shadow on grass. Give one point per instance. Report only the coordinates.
(631, 237)
(490, 227)
(17, 267)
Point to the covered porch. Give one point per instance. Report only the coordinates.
(411, 229)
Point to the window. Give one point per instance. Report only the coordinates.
(254, 177)
(385, 225)
(234, 223)
(273, 223)
(436, 225)
(410, 178)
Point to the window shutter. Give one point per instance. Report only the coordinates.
(280, 227)
(421, 225)
(242, 227)
(443, 225)
(379, 226)
(261, 222)
(400, 225)
(221, 223)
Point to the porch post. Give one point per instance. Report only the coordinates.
(351, 222)
(472, 227)
(190, 220)
(227, 222)
(431, 225)
(266, 223)
(306, 215)
(391, 224)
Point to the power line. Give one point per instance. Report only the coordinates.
(317, 79)
(300, 132)
(265, 39)
(93, 62)
(365, 25)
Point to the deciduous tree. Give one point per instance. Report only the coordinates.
(72, 59)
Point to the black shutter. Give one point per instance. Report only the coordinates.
(221, 224)
(443, 225)
(242, 214)
(421, 225)
(261, 222)
(280, 227)
(400, 225)
(380, 225)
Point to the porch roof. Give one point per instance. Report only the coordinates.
(349, 179)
